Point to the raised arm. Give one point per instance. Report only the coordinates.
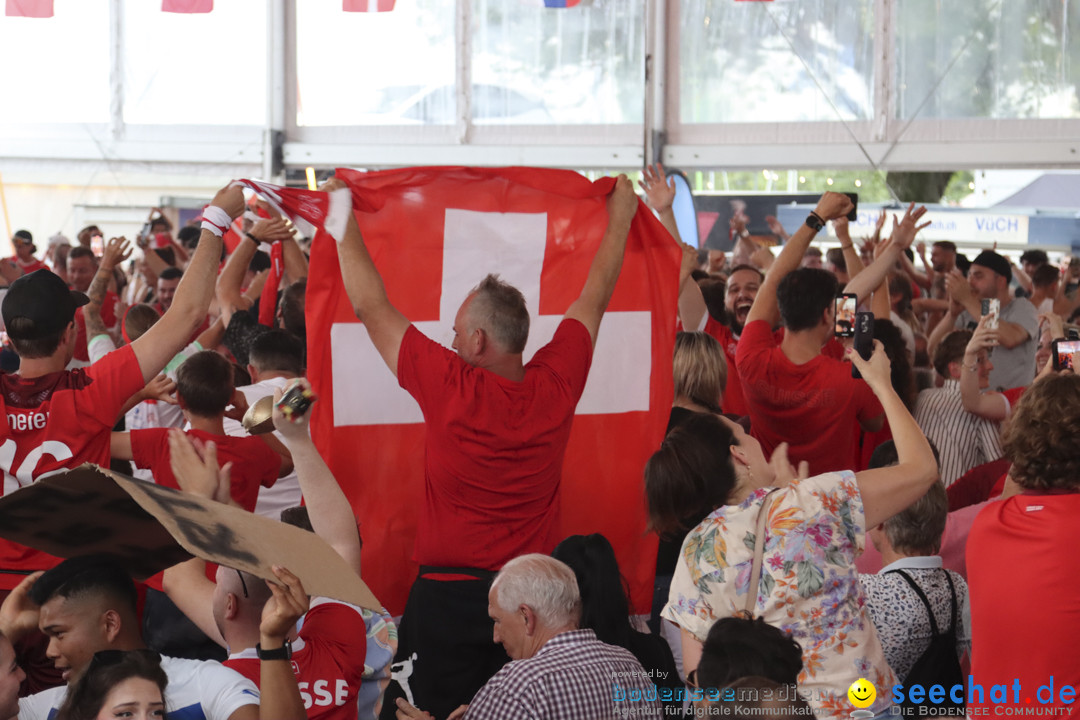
(852, 261)
(116, 251)
(885, 258)
(330, 512)
(831, 205)
(228, 288)
(279, 693)
(692, 308)
(659, 195)
(889, 490)
(607, 263)
(168, 336)
(385, 324)
(990, 405)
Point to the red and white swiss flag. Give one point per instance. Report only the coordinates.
(434, 233)
(367, 5)
(29, 8)
(187, 7)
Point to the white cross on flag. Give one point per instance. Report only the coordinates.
(434, 233)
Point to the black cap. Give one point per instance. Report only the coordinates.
(43, 298)
(23, 235)
(997, 263)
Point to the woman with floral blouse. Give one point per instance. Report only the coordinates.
(815, 528)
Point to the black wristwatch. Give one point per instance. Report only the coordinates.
(282, 653)
(814, 222)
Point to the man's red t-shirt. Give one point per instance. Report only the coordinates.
(734, 403)
(108, 316)
(1025, 601)
(255, 465)
(493, 449)
(327, 659)
(812, 407)
(56, 422)
(27, 267)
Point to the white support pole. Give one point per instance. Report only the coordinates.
(463, 71)
(276, 30)
(655, 79)
(884, 61)
(116, 70)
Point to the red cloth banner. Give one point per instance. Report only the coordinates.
(307, 209)
(29, 8)
(434, 233)
(187, 7)
(367, 5)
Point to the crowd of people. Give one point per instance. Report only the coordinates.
(949, 446)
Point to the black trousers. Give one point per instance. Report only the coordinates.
(445, 647)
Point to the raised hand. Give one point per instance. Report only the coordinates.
(833, 205)
(287, 604)
(659, 190)
(271, 230)
(877, 371)
(904, 231)
(117, 250)
(196, 468)
(622, 203)
(230, 199)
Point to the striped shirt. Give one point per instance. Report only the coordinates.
(963, 440)
(574, 676)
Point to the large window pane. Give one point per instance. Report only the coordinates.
(747, 61)
(389, 68)
(205, 69)
(536, 65)
(1013, 59)
(56, 70)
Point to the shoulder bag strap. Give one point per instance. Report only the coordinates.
(759, 550)
(925, 601)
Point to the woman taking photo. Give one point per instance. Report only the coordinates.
(814, 529)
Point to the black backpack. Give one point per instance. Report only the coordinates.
(938, 665)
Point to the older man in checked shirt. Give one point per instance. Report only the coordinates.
(557, 671)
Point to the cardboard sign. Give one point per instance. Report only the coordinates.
(150, 528)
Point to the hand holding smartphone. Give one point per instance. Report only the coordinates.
(864, 339)
(846, 306)
(1063, 354)
(991, 307)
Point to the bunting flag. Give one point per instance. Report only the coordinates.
(363, 6)
(187, 7)
(434, 233)
(29, 8)
(308, 210)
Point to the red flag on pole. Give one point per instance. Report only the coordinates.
(187, 7)
(367, 5)
(434, 233)
(29, 8)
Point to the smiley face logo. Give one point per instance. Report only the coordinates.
(862, 693)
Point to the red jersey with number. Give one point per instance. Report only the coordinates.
(255, 465)
(108, 316)
(813, 407)
(493, 449)
(58, 422)
(327, 659)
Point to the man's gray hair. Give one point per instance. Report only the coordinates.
(499, 309)
(545, 584)
(918, 530)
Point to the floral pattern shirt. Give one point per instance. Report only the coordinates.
(809, 586)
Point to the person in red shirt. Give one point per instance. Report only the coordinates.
(81, 267)
(52, 419)
(794, 393)
(204, 388)
(1025, 608)
(497, 431)
(329, 652)
(24, 259)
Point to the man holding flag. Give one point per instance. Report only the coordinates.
(497, 431)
